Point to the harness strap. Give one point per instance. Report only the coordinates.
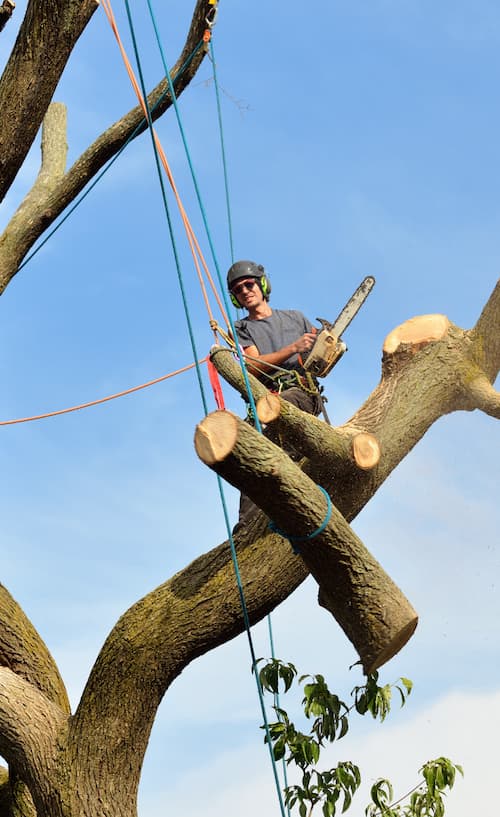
(292, 378)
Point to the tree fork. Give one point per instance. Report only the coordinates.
(370, 608)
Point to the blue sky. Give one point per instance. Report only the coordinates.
(362, 138)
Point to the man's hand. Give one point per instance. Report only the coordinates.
(306, 342)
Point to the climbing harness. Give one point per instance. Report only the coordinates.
(291, 378)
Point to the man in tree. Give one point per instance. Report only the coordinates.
(273, 342)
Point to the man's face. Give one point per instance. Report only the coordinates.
(248, 292)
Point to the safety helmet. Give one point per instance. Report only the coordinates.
(248, 269)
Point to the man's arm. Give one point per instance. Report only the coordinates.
(257, 362)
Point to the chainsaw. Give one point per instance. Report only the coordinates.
(328, 348)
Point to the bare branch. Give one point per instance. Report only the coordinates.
(45, 41)
(21, 232)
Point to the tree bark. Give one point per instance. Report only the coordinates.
(46, 38)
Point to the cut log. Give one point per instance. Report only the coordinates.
(370, 608)
(317, 440)
(330, 447)
(365, 450)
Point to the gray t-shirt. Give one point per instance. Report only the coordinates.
(282, 327)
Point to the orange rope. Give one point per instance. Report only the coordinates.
(102, 399)
(193, 243)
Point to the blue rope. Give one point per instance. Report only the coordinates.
(249, 392)
(294, 540)
(195, 354)
(223, 151)
(277, 705)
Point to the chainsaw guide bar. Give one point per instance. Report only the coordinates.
(328, 348)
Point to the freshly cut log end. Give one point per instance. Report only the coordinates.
(417, 332)
(268, 408)
(373, 662)
(366, 451)
(215, 436)
(377, 619)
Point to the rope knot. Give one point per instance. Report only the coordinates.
(294, 540)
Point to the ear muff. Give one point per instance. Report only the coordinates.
(265, 286)
(234, 301)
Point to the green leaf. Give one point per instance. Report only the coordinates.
(407, 684)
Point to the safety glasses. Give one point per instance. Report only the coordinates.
(244, 285)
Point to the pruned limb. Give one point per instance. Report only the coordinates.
(416, 333)
(230, 369)
(430, 367)
(317, 440)
(369, 607)
(333, 452)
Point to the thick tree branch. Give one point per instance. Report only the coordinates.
(226, 364)
(197, 610)
(21, 232)
(45, 41)
(30, 727)
(101, 151)
(23, 651)
(330, 448)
